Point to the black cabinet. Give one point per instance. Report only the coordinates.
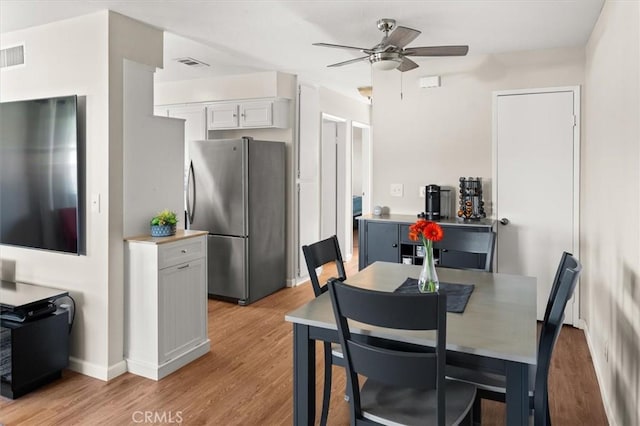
(379, 241)
(387, 239)
(32, 353)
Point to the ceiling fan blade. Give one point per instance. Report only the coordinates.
(406, 65)
(436, 51)
(339, 46)
(401, 36)
(351, 61)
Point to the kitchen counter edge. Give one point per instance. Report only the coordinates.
(409, 219)
(181, 234)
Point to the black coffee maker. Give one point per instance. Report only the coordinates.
(432, 202)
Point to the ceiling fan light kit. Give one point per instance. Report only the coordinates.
(385, 61)
(390, 53)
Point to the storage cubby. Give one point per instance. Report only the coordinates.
(32, 353)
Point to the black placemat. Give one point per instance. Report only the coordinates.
(457, 294)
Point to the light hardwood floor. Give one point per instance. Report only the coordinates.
(246, 379)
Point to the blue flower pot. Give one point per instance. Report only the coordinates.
(162, 230)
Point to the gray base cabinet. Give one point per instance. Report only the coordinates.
(386, 238)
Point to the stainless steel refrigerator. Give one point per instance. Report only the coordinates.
(236, 192)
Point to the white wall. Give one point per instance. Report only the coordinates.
(153, 155)
(437, 135)
(610, 232)
(83, 56)
(321, 100)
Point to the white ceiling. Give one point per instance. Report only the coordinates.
(258, 35)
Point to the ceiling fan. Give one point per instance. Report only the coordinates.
(391, 52)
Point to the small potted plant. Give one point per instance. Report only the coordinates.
(164, 224)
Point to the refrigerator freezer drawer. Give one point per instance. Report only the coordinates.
(227, 268)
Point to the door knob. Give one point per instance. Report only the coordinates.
(504, 221)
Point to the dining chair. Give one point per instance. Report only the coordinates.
(404, 384)
(492, 386)
(316, 255)
(481, 243)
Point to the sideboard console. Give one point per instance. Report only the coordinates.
(386, 238)
(34, 340)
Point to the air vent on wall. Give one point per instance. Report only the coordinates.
(11, 56)
(191, 62)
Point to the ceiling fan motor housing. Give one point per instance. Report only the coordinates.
(386, 24)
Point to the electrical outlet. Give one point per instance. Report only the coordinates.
(422, 191)
(396, 190)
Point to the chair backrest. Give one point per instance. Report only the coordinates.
(565, 259)
(406, 366)
(470, 242)
(319, 254)
(549, 335)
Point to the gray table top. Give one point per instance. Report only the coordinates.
(498, 322)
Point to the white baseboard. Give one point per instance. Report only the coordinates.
(97, 371)
(291, 282)
(599, 377)
(157, 372)
(298, 281)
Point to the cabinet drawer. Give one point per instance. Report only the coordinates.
(404, 235)
(179, 252)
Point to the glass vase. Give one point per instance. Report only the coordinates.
(428, 280)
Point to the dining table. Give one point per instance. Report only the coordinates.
(496, 333)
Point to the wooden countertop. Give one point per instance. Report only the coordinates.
(180, 234)
(406, 218)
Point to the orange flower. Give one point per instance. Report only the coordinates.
(433, 232)
(416, 229)
(427, 229)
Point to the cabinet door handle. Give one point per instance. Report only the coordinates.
(183, 250)
(183, 266)
(395, 245)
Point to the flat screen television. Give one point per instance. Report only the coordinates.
(42, 175)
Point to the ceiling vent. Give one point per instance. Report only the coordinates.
(11, 56)
(191, 62)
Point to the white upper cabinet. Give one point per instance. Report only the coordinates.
(256, 114)
(248, 114)
(222, 116)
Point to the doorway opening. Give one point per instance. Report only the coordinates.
(333, 181)
(360, 178)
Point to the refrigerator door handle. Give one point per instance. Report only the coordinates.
(191, 183)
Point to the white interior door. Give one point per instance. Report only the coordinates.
(328, 217)
(535, 179)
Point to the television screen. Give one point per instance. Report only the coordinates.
(40, 175)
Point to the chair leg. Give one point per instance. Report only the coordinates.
(548, 416)
(326, 394)
(477, 410)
